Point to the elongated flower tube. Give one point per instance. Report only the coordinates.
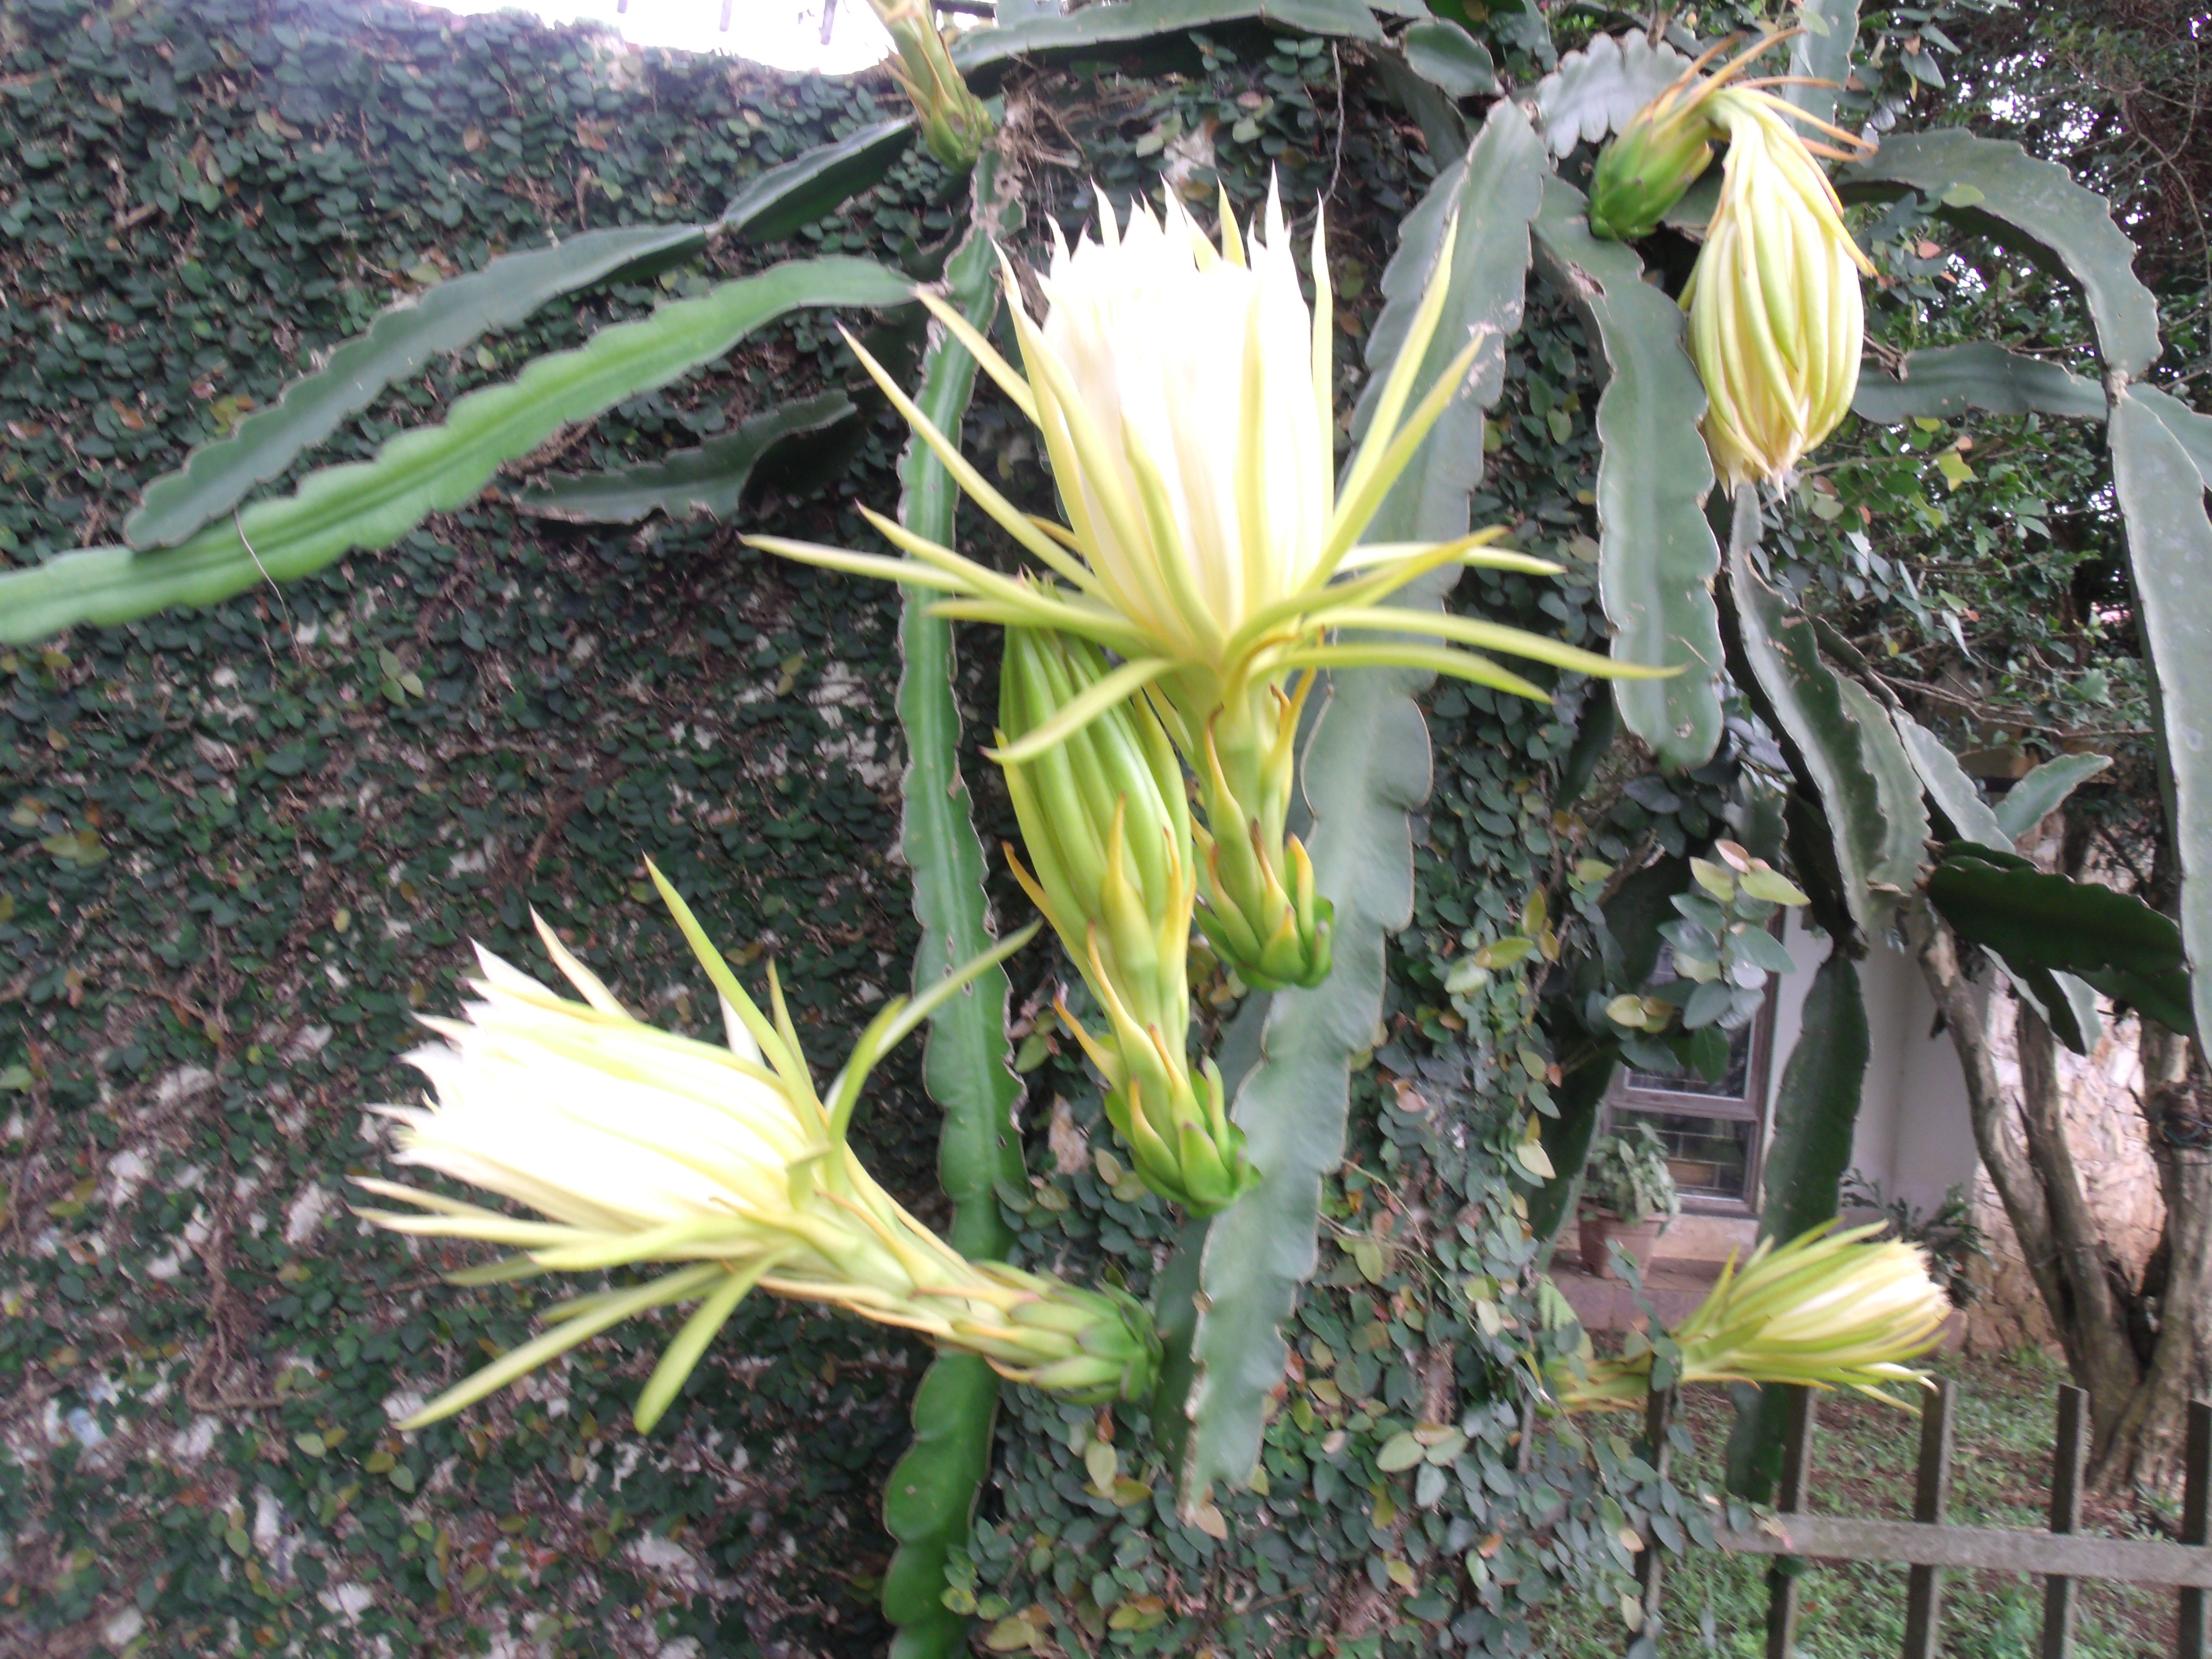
(1829, 1310)
(1107, 827)
(955, 125)
(1183, 393)
(635, 1146)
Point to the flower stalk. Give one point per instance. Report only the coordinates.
(955, 125)
(636, 1145)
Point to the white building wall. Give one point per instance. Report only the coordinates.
(1914, 1134)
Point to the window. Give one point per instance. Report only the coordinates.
(1715, 1132)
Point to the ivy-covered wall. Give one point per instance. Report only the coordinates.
(242, 846)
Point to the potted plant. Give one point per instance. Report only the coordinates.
(1628, 1196)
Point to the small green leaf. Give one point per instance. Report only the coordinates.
(1101, 1463)
(1400, 1452)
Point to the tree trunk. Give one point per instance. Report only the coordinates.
(2143, 1449)
(2092, 1318)
(2139, 1390)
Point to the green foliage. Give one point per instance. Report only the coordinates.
(2067, 1005)
(1827, 30)
(425, 469)
(1045, 37)
(1364, 769)
(815, 184)
(1627, 1176)
(2041, 792)
(1816, 1109)
(1594, 92)
(2161, 497)
(2035, 919)
(1446, 56)
(1945, 381)
(1868, 790)
(1989, 184)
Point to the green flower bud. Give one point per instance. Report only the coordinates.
(1107, 826)
(1257, 904)
(955, 125)
(1659, 155)
(1091, 1347)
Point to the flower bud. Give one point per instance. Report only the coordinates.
(955, 125)
(636, 1145)
(1664, 150)
(1776, 320)
(1257, 904)
(1107, 826)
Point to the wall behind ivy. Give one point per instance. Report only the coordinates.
(241, 847)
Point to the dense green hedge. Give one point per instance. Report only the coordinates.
(241, 846)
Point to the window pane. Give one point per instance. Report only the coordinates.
(1734, 1083)
(1708, 1155)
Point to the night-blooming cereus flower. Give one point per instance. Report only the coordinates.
(1776, 318)
(1183, 394)
(1829, 1310)
(636, 1145)
(1107, 824)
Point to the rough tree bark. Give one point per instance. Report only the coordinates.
(2141, 1350)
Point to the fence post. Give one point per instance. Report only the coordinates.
(2067, 1459)
(2196, 1529)
(1924, 1601)
(1789, 1499)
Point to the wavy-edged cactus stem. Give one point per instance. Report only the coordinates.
(637, 1145)
(1828, 1310)
(1105, 820)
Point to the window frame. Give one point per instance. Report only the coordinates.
(1753, 1107)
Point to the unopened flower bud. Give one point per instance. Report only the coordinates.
(955, 125)
(1257, 903)
(1776, 319)
(1664, 150)
(1106, 822)
(1828, 1310)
